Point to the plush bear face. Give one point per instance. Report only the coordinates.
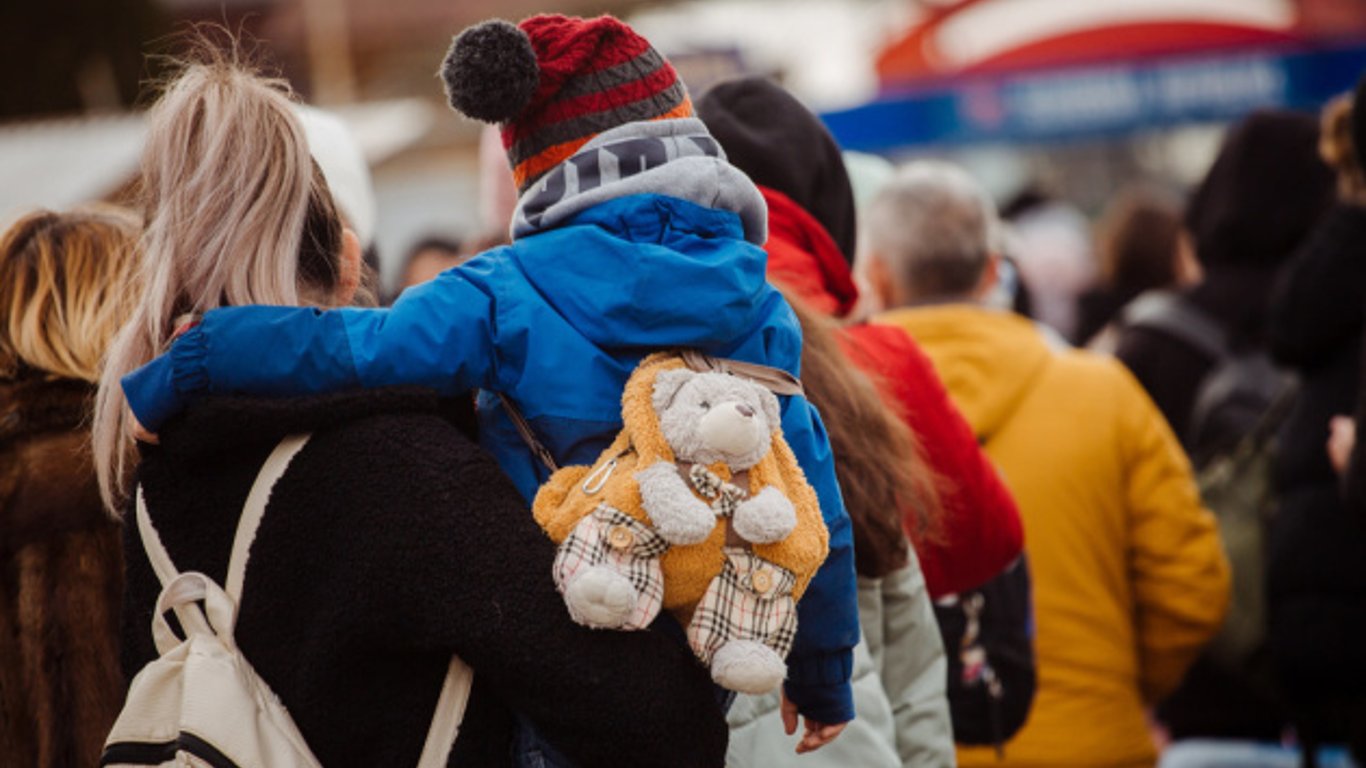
(711, 417)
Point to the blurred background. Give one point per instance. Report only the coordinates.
(1041, 99)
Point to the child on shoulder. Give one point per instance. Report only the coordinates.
(633, 234)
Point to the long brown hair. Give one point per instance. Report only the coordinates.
(878, 461)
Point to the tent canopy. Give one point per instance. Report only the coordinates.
(1039, 70)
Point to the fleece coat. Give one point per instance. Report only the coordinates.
(1129, 577)
(60, 582)
(688, 570)
(391, 542)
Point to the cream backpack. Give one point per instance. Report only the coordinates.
(201, 703)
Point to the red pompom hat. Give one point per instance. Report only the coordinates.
(554, 82)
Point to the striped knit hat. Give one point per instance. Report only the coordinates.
(553, 82)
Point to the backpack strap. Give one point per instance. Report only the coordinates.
(1171, 314)
(776, 380)
(151, 542)
(455, 691)
(519, 421)
(450, 710)
(255, 508)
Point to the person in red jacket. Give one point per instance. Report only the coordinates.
(785, 149)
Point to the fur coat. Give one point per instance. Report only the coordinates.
(61, 576)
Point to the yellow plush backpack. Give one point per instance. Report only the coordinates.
(699, 507)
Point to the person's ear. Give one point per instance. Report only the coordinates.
(1188, 271)
(349, 260)
(991, 276)
(880, 282)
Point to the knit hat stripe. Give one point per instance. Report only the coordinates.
(609, 115)
(538, 164)
(644, 65)
(662, 85)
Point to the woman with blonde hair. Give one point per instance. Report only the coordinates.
(65, 287)
(391, 541)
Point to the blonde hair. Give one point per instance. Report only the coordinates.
(237, 213)
(1336, 146)
(65, 288)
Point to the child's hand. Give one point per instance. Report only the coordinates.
(817, 734)
(140, 432)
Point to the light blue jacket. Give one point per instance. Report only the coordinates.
(557, 322)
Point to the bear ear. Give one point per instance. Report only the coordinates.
(667, 385)
(769, 402)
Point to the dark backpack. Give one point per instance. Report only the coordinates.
(1231, 438)
(1237, 393)
(989, 642)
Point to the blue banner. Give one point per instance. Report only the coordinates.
(1099, 100)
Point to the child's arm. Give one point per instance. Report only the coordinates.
(821, 661)
(439, 335)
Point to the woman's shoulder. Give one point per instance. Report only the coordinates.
(367, 448)
(406, 456)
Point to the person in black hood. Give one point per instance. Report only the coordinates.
(1317, 565)
(750, 117)
(1256, 204)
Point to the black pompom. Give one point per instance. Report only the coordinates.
(490, 72)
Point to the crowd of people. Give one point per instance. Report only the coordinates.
(1125, 529)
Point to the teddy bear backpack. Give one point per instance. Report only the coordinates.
(201, 703)
(698, 507)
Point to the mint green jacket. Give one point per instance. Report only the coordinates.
(899, 692)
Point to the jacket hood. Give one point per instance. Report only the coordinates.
(780, 144)
(1263, 193)
(989, 360)
(650, 271)
(674, 157)
(803, 258)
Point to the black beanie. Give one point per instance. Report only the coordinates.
(781, 145)
(1265, 190)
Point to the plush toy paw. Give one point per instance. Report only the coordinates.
(747, 667)
(600, 598)
(767, 517)
(678, 516)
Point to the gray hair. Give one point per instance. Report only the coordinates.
(935, 227)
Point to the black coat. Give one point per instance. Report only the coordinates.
(391, 542)
(1317, 569)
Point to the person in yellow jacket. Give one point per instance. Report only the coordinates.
(1129, 577)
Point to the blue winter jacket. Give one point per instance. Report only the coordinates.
(557, 322)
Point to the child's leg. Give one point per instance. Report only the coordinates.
(529, 750)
